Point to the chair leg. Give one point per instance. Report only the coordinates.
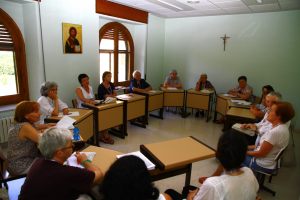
(261, 180)
(270, 179)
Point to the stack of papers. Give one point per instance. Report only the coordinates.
(65, 122)
(149, 164)
(71, 114)
(171, 88)
(241, 102)
(72, 160)
(229, 95)
(238, 128)
(206, 91)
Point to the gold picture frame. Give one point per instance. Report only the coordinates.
(72, 38)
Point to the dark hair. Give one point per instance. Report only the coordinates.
(128, 179)
(242, 78)
(285, 111)
(105, 74)
(23, 108)
(82, 76)
(269, 88)
(72, 28)
(231, 151)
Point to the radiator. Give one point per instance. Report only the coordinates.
(5, 123)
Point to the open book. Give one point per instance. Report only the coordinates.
(238, 128)
(149, 164)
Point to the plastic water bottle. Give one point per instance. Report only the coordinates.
(131, 88)
(76, 136)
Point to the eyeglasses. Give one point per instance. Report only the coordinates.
(71, 146)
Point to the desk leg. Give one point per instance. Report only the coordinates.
(160, 114)
(184, 108)
(188, 175)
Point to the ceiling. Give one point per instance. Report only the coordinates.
(181, 8)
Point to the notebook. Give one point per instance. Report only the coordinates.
(237, 127)
(72, 160)
(149, 164)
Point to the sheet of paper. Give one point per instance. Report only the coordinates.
(237, 127)
(71, 114)
(229, 95)
(241, 102)
(65, 122)
(72, 160)
(172, 88)
(148, 163)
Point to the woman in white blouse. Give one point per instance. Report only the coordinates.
(84, 93)
(50, 104)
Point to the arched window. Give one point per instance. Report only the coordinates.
(13, 72)
(116, 52)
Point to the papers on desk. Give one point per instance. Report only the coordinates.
(71, 114)
(152, 91)
(241, 102)
(149, 164)
(65, 122)
(229, 95)
(206, 91)
(171, 88)
(72, 160)
(237, 127)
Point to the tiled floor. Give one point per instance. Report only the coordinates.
(286, 184)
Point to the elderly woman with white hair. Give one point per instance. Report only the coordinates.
(49, 101)
(49, 178)
(173, 80)
(138, 84)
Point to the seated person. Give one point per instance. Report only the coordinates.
(260, 109)
(138, 84)
(261, 156)
(243, 90)
(23, 137)
(50, 104)
(203, 83)
(264, 125)
(84, 93)
(127, 179)
(49, 178)
(173, 80)
(106, 88)
(235, 182)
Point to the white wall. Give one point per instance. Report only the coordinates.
(265, 47)
(65, 68)
(155, 50)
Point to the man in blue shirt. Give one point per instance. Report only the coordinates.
(138, 84)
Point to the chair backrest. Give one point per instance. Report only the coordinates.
(278, 158)
(74, 103)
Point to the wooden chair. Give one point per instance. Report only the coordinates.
(74, 103)
(5, 176)
(262, 175)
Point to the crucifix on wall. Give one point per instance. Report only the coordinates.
(225, 38)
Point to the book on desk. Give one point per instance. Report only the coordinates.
(148, 163)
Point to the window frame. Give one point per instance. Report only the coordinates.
(129, 46)
(20, 61)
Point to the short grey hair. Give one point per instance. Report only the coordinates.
(275, 94)
(135, 71)
(173, 71)
(52, 140)
(45, 88)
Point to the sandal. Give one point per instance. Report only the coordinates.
(106, 139)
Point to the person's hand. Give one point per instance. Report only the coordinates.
(192, 194)
(66, 111)
(202, 179)
(53, 95)
(80, 157)
(50, 125)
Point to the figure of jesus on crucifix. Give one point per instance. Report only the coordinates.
(225, 38)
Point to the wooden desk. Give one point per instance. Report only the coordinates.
(173, 98)
(135, 107)
(238, 115)
(154, 101)
(104, 158)
(108, 116)
(199, 100)
(84, 122)
(176, 156)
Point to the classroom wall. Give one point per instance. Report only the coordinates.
(65, 68)
(265, 47)
(155, 50)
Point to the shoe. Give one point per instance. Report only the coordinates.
(202, 113)
(105, 138)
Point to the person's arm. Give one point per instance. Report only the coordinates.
(251, 147)
(87, 164)
(79, 94)
(251, 127)
(192, 194)
(197, 88)
(245, 96)
(217, 172)
(41, 127)
(265, 148)
(28, 132)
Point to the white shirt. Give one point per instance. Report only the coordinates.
(161, 197)
(264, 125)
(86, 95)
(279, 138)
(227, 187)
(47, 107)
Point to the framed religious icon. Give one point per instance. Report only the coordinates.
(72, 38)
